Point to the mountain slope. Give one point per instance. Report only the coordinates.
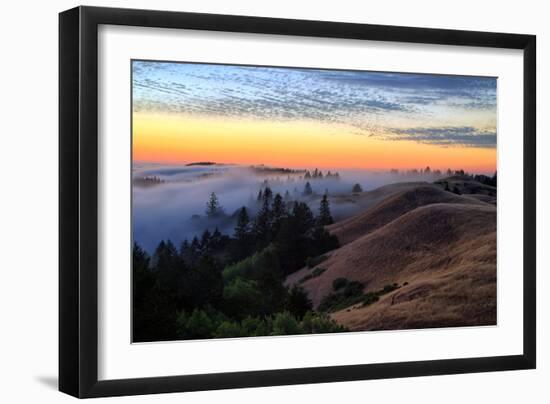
(345, 205)
(443, 255)
(391, 208)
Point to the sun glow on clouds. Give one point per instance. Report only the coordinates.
(304, 118)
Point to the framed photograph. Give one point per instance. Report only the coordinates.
(251, 201)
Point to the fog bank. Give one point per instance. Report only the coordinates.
(169, 202)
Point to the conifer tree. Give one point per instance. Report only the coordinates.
(268, 195)
(184, 246)
(262, 224)
(143, 281)
(205, 241)
(243, 225)
(241, 247)
(278, 213)
(303, 217)
(325, 218)
(213, 207)
(216, 239)
(184, 250)
(307, 189)
(357, 189)
(140, 259)
(194, 250)
(165, 256)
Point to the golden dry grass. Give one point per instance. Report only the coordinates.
(461, 294)
(445, 251)
(391, 208)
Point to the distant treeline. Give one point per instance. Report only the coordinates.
(294, 175)
(147, 181)
(318, 174)
(229, 286)
(484, 179)
(428, 171)
(275, 170)
(201, 163)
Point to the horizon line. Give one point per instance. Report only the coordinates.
(313, 167)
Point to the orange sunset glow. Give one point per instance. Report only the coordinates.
(176, 140)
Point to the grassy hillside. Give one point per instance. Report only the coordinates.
(422, 257)
(393, 206)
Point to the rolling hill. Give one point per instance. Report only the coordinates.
(437, 248)
(393, 206)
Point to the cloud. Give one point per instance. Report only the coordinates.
(422, 89)
(258, 92)
(355, 99)
(447, 136)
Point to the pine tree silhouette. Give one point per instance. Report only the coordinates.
(213, 207)
(325, 218)
(262, 224)
(278, 213)
(307, 189)
(243, 225)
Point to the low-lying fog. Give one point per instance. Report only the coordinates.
(169, 202)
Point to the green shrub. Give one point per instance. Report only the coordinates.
(373, 297)
(314, 261)
(318, 271)
(370, 298)
(286, 324)
(242, 298)
(298, 302)
(314, 274)
(350, 294)
(241, 269)
(211, 324)
(229, 329)
(264, 270)
(197, 325)
(339, 283)
(319, 323)
(255, 326)
(353, 288)
(388, 289)
(248, 267)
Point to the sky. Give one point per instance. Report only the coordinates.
(302, 118)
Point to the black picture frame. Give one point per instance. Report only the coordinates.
(78, 201)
